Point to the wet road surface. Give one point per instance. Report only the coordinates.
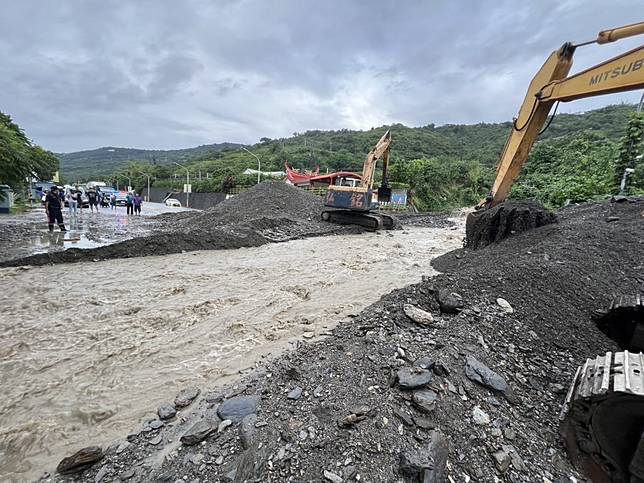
(27, 234)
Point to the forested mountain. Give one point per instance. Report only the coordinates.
(443, 167)
(84, 165)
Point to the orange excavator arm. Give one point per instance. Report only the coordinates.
(551, 84)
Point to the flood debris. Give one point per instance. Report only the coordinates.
(393, 438)
(506, 219)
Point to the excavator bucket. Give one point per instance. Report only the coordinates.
(384, 194)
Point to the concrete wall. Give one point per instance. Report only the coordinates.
(157, 195)
(200, 201)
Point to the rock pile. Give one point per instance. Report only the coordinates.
(506, 219)
(385, 398)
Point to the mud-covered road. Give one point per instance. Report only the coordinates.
(26, 233)
(89, 350)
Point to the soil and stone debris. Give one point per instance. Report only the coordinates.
(268, 212)
(488, 413)
(504, 220)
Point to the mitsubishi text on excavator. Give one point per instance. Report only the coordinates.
(602, 423)
(354, 204)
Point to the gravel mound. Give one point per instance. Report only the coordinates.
(490, 226)
(268, 212)
(334, 409)
(265, 200)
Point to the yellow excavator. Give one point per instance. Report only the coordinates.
(602, 421)
(552, 85)
(354, 204)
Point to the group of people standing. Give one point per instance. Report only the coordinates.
(55, 200)
(133, 203)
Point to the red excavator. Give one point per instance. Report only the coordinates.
(602, 422)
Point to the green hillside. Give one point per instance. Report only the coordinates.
(97, 163)
(346, 149)
(443, 167)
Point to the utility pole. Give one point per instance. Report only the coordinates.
(147, 198)
(188, 189)
(259, 165)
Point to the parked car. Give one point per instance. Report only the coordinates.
(120, 198)
(173, 202)
(84, 201)
(108, 191)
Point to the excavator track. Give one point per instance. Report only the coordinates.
(369, 220)
(602, 421)
(623, 321)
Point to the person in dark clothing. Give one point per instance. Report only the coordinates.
(54, 209)
(129, 203)
(137, 201)
(92, 197)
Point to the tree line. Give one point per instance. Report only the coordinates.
(580, 157)
(20, 158)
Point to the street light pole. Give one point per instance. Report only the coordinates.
(146, 174)
(187, 183)
(259, 165)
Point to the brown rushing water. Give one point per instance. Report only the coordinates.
(89, 350)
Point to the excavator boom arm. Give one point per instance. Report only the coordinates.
(551, 84)
(381, 149)
(622, 73)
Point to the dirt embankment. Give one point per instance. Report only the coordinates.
(269, 212)
(490, 375)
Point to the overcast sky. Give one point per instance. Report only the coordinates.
(169, 74)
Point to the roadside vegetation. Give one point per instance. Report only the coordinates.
(20, 158)
(580, 157)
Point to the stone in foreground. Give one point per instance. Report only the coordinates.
(166, 411)
(428, 463)
(186, 396)
(80, 461)
(413, 377)
(479, 372)
(237, 408)
(197, 432)
(425, 400)
(450, 302)
(418, 315)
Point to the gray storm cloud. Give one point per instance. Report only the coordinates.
(167, 74)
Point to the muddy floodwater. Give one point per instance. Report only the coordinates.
(87, 351)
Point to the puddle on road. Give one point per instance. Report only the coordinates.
(85, 359)
(28, 235)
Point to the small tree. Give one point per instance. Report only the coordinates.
(629, 148)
